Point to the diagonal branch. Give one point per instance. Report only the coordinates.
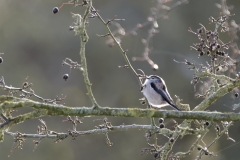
(20, 119)
(118, 44)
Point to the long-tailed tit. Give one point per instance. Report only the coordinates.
(155, 90)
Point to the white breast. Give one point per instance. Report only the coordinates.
(152, 96)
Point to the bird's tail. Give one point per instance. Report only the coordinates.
(175, 107)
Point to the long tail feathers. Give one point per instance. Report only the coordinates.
(175, 107)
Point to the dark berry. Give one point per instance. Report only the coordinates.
(218, 45)
(199, 148)
(161, 125)
(236, 94)
(206, 153)
(71, 28)
(65, 76)
(223, 53)
(55, 10)
(171, 140)
(160, 120)
(155, 155)
(1, 60)
(199, 30)
(214, 58)
(201, 53)
(206, 123)
(143, 102)
(217, 128)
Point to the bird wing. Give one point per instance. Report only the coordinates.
(164, 95)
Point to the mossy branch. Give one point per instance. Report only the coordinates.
(83, 40)
(7, 103)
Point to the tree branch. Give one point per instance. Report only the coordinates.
(84, 39)
(55, 135)
(61, 110)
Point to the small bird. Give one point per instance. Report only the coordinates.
(155, 90)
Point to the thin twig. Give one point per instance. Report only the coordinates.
(118, 44)
(84, 38)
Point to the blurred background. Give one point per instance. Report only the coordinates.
(35, 42)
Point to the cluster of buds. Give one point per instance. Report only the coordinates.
(210, 44)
